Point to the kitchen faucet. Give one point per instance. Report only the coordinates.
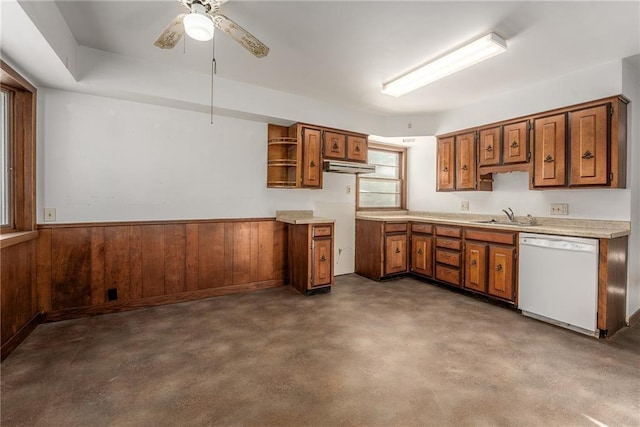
(510, 215)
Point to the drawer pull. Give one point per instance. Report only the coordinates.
(465, 167)
(420, 252)
(446, 169)
(323, 258)
(397, 250)
(548, 159)
(312, 164)
(335, 147)
(356, 149)
(489, 148)
(473, 263)
(514, 144)
(587, 155)
(499, 267)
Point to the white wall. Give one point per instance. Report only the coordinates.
(105, 159)
(631, 88)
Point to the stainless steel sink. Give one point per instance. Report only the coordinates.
(507, 223)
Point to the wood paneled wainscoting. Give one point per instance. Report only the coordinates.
(154, 263)
(19, 310)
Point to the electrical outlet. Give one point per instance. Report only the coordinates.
(49, 214)
(559, 209)
(348, 189)
(464, 205)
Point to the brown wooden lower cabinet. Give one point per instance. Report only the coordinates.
(490, 262)
(381, 248)
(422, 254)
(311, 257)
(448, 254)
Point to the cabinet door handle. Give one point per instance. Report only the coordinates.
(356, 149)
(446, 169)
(587, 155)
(473, 263)
(323, 258)
(312, 164)
(335, 147)
(420, 251)
(397, 250)
(465, 167)
(514, 144)
(548, 159)
(499, 267)
(489, 148)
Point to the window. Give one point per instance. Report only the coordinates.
(386, 188)
(6, 154)
(17, 151)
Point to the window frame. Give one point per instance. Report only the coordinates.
(403, 178)
(11, 150)
(22, 134)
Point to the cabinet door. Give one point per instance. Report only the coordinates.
(422, 254)
(515, 146)
(466, 161)
(549, 151)
(501, 271)
(475, 276)
(322, 273)
(357, 148)
(335, 146)
(395, 253)
(445, 178)
(489, 150)
(311, 169)
(589, 146)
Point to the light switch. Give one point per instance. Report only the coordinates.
(49, 214)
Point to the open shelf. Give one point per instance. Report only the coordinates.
(283, 141)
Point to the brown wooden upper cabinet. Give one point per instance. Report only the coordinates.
(466, 161)
(504, 145)
(340, 146)
(583, 146)
(446, 164)
(312, 162)
(549, 151)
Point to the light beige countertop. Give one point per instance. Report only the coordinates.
(301, 217)
(601, 229)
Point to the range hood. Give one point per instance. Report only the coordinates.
(347, 167)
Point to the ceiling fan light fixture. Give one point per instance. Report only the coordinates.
(198, 25)
(466, 56)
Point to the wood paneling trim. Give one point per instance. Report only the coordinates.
(634, 318)
(119, 306)
(11, 239)
(140, 223)
(17, 338)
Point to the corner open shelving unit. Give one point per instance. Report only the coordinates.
(282, 159)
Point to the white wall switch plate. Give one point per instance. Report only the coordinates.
(464, 205)
(559, 208)
(348, 189)
(49, 214)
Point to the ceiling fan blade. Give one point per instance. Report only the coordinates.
(171, 34)
(241, 35)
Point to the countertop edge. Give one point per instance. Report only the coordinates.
(540, 229)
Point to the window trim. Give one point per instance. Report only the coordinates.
(22, 135)
(403, 178)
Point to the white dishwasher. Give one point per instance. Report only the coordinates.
(558, 281)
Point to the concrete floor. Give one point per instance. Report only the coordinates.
(398, 353)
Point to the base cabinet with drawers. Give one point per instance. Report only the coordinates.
(448, 255)
(311, 257)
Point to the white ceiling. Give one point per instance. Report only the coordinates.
(341, 52)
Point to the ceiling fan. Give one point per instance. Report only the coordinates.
(199, 22)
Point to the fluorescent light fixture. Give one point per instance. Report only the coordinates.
(197, 24)
(469, 54)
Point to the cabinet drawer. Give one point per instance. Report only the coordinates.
(321, 230)
(447, 274)
(449, 243)
(422, 228)
(448, 257)
(448, 231)
(393, 228)
(490, 236)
